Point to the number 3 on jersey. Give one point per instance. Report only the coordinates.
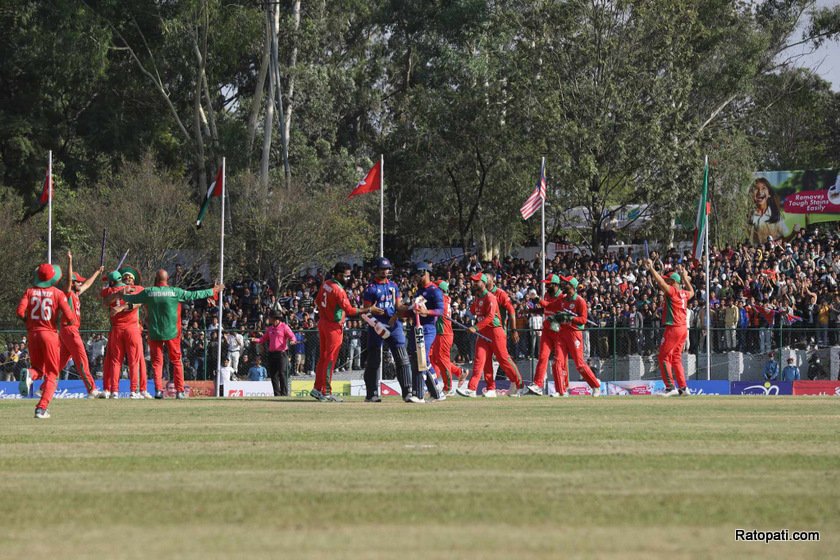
(42, 309)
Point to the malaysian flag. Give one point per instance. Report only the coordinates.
(537, 198)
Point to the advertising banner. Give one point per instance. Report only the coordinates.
(301, 388)
(578, 388)
(708, 387)
(388, 388)
(823, 388)
(75, 389)
(785, 201)
(237, 389)
(634, 387)
(764, 388)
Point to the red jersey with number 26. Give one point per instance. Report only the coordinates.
(673, 312)
(39, 307)
(333, 303)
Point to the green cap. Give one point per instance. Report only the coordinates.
(676, 278)
(130, 270)
(47, 275)
(552, 279)
(479, 277)
(115, 277)
(570, 280)
(444, 286)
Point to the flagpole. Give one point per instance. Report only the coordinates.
(382, 206)
(542, 229)
(381, 253)
(221, 292)
(49, 212)
(708, 293)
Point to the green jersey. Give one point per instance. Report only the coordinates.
(163, 308)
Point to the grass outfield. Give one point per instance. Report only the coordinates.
(632, 477)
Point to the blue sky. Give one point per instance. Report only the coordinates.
(825, 61)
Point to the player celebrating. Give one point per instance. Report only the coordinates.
(126, 339)
(572, 319)
(163, 309)
(441, 352)
(71, 341)
(505, 305)
(489, 326)
(550, 340)
(39, 307)
(333, 304)
(676, 330)
(382, 292)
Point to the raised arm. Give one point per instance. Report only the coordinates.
(89, 282)
(663, 285)
(686, 281)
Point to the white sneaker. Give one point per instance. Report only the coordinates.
(442, 397)
(466, 393)
(135, 395)
(95, 394)
(684, 392)
(535, 389)
(596, 391)
(451, 393)
(416, 400)
(491, 394)
(115, 395)
(565, 394)
(516, 393)
(105, 395)
(41, 413)
(146, 395)
(672, 393)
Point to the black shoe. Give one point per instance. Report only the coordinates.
(158, 395)
(317, 395)
(374, 398)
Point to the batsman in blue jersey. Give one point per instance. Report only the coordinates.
(427, 316)
(383, 293)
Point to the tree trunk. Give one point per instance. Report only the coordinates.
(287, 119)
(273, 15)
(198, 137)
(256, 104)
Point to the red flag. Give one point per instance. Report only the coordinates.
(46, 191)
(372, 181)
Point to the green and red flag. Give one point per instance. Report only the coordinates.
(216, 189)
(701, 224)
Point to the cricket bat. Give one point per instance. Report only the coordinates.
(380, 328)
(420, 344)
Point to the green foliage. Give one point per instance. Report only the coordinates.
(463, 97)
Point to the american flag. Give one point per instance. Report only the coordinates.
(537, 198)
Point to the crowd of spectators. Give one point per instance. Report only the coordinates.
(778, 294)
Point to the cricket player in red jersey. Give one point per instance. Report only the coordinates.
(489, 325)
(550, 340)
(138, 378)
(441, 352)
(503, 300)
(39, 307)
(333, 308)
(676, 329)
(572, 317)
(71, 341)
(123, 338)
